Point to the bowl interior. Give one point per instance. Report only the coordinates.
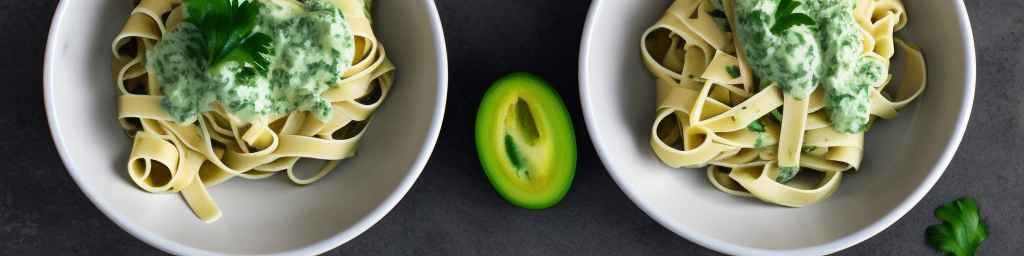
(260, 217)
(903, 159)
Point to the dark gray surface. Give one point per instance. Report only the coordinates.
(452, 210)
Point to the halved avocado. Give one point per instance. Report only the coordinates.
(525, 141)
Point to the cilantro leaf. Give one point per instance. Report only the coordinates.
(227, 30)
(785, 18)
(254, 50)
(784, 23)
(962, 230)
(786, 7)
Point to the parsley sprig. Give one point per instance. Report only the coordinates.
(962, 230)
(785, 18)
(227, 30)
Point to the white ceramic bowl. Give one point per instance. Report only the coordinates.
(260, 217)
(903, 159)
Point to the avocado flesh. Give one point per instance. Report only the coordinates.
(525, 141)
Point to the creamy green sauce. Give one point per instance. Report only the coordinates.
(312, 46)
(800, 58)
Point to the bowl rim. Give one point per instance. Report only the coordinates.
(839, 244)
(170, 246)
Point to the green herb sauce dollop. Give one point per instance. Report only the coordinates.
(800, 58)
(312, 46)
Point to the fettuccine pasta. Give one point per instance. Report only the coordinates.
(714, 112)
(188, 158)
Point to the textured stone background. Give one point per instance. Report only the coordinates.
(452, 210)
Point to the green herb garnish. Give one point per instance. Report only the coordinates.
(962, 230)
(809, 149)
(785, 18)
(777, 114)
(786, 174)
(227, 31)
(733, 70)
(755, 126)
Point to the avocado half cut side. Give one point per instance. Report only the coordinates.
(525, 141)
